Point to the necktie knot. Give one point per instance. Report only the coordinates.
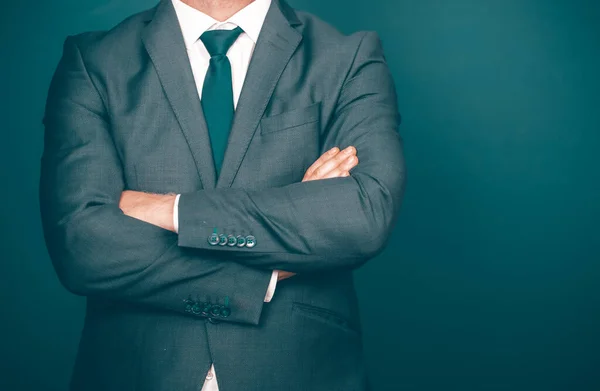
(218, 42)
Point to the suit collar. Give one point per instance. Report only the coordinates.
(194, 23)
(276, 44)
(164, 43)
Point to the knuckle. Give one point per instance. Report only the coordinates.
(335, 173)
(350, 162)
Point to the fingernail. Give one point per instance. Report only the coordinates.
(334, 150)
(349, 150)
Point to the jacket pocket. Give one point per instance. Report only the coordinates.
(324, 315)
(291, 119)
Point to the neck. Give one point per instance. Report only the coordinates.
(218, 9)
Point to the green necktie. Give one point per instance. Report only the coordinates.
(217, 92)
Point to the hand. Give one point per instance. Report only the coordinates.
(282, 275)
(332, 164)
(156, 209)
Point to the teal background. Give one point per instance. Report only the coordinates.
(490, 281)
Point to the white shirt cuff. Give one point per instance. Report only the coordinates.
(272, 286)
(176, 214)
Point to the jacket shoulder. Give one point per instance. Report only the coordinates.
(339, 51)
(121, 37)
(322, 33)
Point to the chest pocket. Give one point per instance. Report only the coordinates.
(292, 119)
(287, 145)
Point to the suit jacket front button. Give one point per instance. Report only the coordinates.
(250, 241)
(231, 241)
(241, 241)
(213, 239)
(222, 240)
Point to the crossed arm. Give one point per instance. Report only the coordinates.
(158, 209)
(311, 226)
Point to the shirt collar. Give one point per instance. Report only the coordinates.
(194, 23)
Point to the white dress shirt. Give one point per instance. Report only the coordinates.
(193, 23)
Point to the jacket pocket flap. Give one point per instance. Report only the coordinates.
(291, 119)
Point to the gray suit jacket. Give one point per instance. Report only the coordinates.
(123, 113)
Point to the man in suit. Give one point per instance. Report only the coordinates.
(179, 220)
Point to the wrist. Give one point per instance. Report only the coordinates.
(162, 210)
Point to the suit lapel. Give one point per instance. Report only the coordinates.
(276, 44)
(164, 42)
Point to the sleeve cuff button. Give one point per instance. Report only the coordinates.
(231, 241)
(250, 241)
(241, 241)
(213, 239)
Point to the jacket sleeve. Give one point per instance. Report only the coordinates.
(99, 251)
(321, 225)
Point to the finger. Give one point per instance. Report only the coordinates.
(322, 159)
(336, 173)
(349, 163)
(334, 162)
(343, 169)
